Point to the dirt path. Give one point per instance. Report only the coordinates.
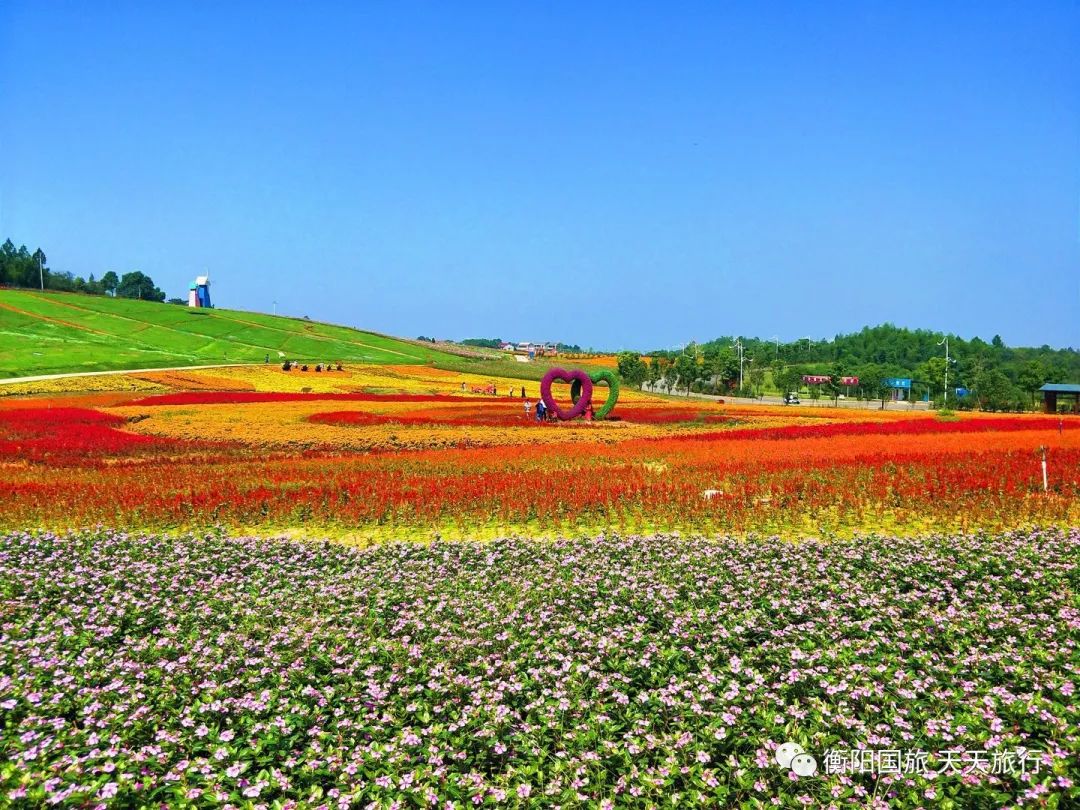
(42, 377)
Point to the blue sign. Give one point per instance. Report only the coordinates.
(898, 382)
(962, 392)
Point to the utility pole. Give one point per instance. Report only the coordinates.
(275, 307)
(738, 345)
(776, 340)
(945, 340)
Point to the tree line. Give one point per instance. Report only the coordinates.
(21, 268)
(993, 376)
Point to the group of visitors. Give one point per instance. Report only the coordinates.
(491, 390)
(545, 414)
(290, 365)
(542, 412)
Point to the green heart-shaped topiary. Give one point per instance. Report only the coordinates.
(603, 375)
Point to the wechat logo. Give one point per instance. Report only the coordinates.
(792, 756)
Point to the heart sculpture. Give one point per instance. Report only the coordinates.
(562, 375)
(597, 377)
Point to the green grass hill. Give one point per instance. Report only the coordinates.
(53, 333)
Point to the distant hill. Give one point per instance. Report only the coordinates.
(52, 333)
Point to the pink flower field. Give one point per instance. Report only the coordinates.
(139, 670)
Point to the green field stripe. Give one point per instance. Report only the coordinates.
(49, 332)
(151, 325)
(41, 316)
(322, 337)
(210, 317)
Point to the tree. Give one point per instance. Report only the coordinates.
(1031, 378)
(686, 367)
(64, 282)
(109, 282)
(725, 367)
(139, 285)
(656, 373)
(788, 380)
(25, 269)
(483, 343)
(835, 382)
(872, 383)
(776, 368)
(993, 390)
(932, 372)
(39, 269)
(670, 374)
(757, 375)
(632, 368)
(21, 268)
(7, 262)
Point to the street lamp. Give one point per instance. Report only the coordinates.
(945, 340)
(738, 345)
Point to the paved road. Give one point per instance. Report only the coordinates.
(42, 377)
(873, 405)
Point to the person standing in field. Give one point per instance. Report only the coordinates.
(523, 392)
(511, 390)
(528, 407)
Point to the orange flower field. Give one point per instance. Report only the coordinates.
(400, 451)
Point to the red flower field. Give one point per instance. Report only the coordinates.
(410, 464)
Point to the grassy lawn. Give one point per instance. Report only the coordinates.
(52, 333)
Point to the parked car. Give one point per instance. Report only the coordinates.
(791, 398)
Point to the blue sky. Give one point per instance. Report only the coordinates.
(615, 175)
